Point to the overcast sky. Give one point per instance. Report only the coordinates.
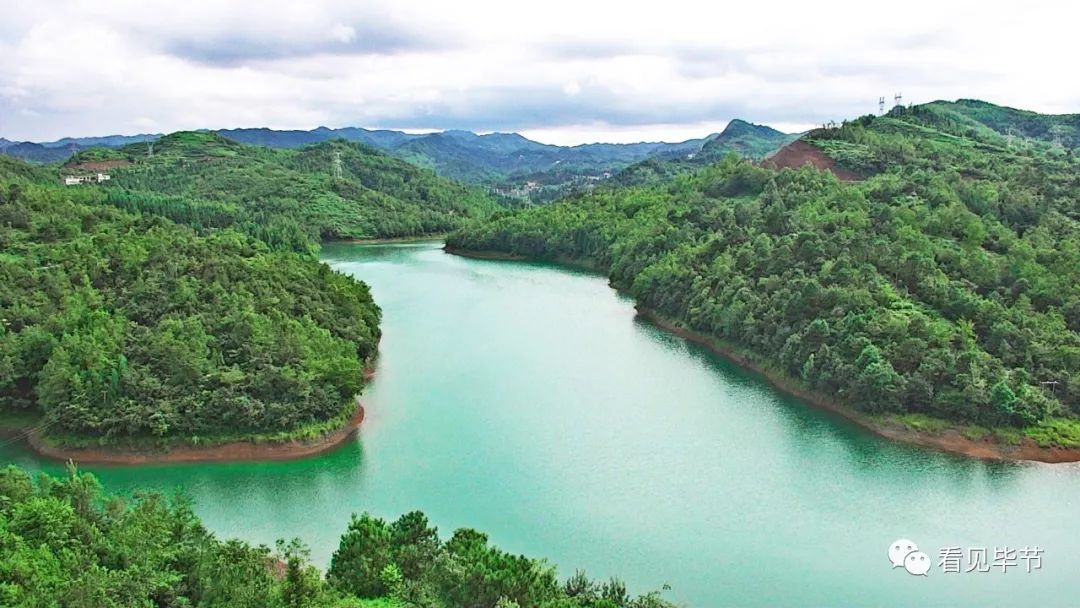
(558, 71)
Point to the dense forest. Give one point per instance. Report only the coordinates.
(125, 327)
(286, 198)
(943, 283)
(64, 542)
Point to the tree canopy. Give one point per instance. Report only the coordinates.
(65, 542)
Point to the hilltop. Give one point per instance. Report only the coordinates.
(288, 198)
(938, 289)
(972, 117)
(744, 139)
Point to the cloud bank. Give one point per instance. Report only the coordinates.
(560, 71)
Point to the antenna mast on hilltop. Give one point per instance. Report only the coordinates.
(881, 105)
(337, 165)
(898, 98)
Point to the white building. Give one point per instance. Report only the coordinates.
(75, 180)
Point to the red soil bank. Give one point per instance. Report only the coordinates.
(237, 450)
(799, 153)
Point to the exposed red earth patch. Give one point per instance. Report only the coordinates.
(235, 451)
(799, 153)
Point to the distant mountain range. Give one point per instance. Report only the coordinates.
(477, 159)
(463, 155)
(509, 158)
(520, 170)
(517, 169)
(62, 149)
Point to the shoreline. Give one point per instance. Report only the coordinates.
(231, 451)
(576, 264)
(438, 236)
(234, 451)
(949, 440)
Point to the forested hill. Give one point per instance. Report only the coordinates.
(287, 198)
(742, 138)
(945, 283)
(974, 118)
(125, 328)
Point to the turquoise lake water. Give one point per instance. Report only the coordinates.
(531, 403)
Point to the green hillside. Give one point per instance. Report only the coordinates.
(287, 198)
(946, 284)
(123, 328)
(978, 118)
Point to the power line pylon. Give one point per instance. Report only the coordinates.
(337, 165)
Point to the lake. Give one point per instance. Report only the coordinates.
(530, 402)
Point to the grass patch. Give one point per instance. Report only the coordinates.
(923, 423)
(976, 433)
(1056, 431)
(1009, 435)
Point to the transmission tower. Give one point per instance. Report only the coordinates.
(1057, 131)
(898, 99)
(149, 149)
(881, 105)
(337, 165)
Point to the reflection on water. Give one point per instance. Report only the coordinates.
(811, 432)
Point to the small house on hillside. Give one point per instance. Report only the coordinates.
(75, 180)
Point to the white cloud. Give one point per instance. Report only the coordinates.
(564, 70)
(343, 33)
